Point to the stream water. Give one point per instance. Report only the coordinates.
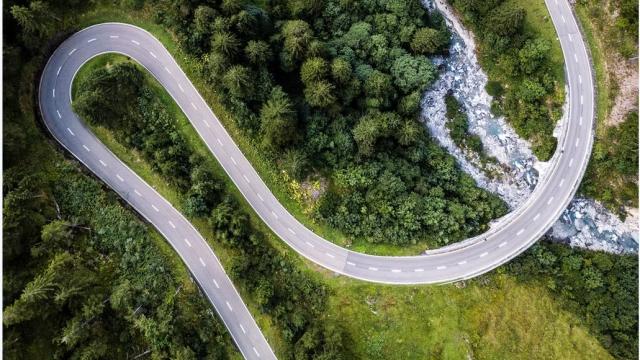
(585, 223)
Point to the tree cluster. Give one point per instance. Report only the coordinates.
(517, 61)
(334, 88)
(602, 288)
(138, 118)
(458, 125)
(615, 154)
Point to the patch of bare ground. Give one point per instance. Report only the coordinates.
(621, 72)
(625, 75)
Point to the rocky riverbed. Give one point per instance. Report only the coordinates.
(585, 223)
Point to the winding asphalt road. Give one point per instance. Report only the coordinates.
(506, 239)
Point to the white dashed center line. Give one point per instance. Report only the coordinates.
(242, 328)
(575, 57)
(520, 232)
(172, 225)
(563, 19)
(570, 162)
(202, 262)
(72, 51)
(71, 132)
(194, 106)
(135, 42)
(86, 148)
(441, 267)
(103, 163)
(309, 244)
(260, 197)
(155, 208)
(119, 177)
(54, 92)
(579, 79)
(58, 73)
(233, 161)
(114, 36)
(570, 38)
(581, 100)
(256, 351)
(180, 87)
(373, 268)
(188, 243)
(484, 254)
(59, 115)
(330, 255)
(152, 54)
(396, 270)
(246, 179)
(291, 231)
(274, 215)
(536, 217)
(561, 182)
(216, 284)
(577, 142)
(91, 40)
(167, 69)
(206, 123)
(350, 263)
(550, 200)
(462, 262)
(219, 142)
(229, 306)
(418, 270)
(580, 120)
(502, 244)
(137, 192)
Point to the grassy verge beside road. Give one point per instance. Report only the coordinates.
(612, 175)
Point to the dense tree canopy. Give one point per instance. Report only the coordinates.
(330, 87)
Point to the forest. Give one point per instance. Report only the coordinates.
(335, 94)
(85, 278)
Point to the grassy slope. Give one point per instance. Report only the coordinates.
(500, 320)
(504, 319)
(595, 32)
